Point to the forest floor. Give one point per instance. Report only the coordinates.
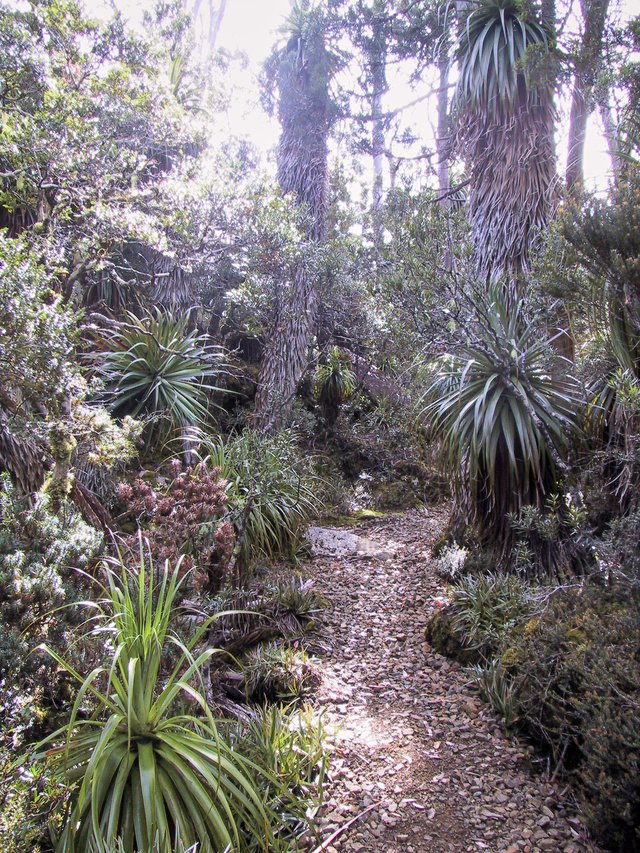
(419, 762)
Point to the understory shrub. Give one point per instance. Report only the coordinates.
(39, 553)
(575, 671)
(486, 608)
(29, 802)
(186, 517)
(379, 446)
(563, 664)
(279, 673)
(481, 611)
(148, 766)
(271, 495)
(290, 745)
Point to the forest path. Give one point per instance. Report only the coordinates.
(419, 761)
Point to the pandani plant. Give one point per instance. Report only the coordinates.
(334, 383)
(270, 496)
(504, 122)
(154, 366)
(502, 408)
(147, 766)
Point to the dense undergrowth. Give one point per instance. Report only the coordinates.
(164, 306)
(560, 664)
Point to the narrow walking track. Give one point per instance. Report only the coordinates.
(419, 761)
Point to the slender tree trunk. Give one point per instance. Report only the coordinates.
(215, 22)
(378, 60)
(610, 133)
(594, 14)
(443, 140)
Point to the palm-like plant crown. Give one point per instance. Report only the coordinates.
(504, 125)
(492, 53)
(155, 366)
(148, 775)
(502, 414)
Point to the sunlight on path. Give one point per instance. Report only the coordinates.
(419, 761)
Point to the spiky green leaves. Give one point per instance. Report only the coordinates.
(494, 45)
(335, 382)
(270, 496)
(153, 365)
(502, 415)
(150, 776)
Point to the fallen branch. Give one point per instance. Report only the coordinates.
(343, 828)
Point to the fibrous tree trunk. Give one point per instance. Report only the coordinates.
(286, 355)
(304, 111)
(513, 190)
(504, 130)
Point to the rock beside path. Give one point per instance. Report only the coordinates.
(419, 761)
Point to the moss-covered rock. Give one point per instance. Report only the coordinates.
(443, 636)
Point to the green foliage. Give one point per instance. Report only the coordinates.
(495, 40)
(619, 551)
(604, 237)
(36, 330)
(575, 676)
(39, 551)
(154, 366)
(290, 746)
(334, 383)
(553, 540)
(27, 803)
(496, 688)
(279, 673)
(185, 518)
(297, 597)
(270, 495)
(502, 410)
(480, 612)
(486, 608)
(149, 774)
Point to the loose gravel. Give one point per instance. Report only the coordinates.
(419, 762)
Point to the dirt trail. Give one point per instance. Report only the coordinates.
(418, 757)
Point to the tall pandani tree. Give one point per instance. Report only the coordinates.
(301, 71)
(504, 119)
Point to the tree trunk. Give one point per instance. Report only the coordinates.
(594, 14)
(378, 59)
(215, 22)
(443, 140)
(286, 354)
(610, 134)
(304, 112)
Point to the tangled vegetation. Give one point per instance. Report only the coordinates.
(204, 356)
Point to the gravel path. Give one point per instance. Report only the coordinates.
(419, 761)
